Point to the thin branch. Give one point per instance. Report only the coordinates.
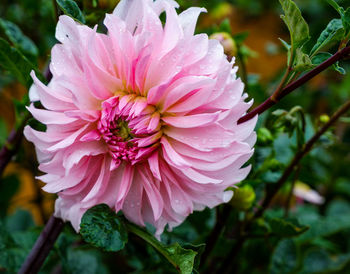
(215, 233)
(294, 85)
(42, 246)
(229, 260)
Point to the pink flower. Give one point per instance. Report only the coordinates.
(143, 118)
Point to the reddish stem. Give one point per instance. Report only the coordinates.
(294, 85)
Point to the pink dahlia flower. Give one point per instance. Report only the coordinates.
(143, 118)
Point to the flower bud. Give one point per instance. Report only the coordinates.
(324, 118)
(227, 42)
(243, 198)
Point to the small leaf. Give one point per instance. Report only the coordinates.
(13, 60)
(199, 249)
(302, 61)
(323, 56)
(70, 8)
(101, 227)
(284, 257)
(286, 227)
(183, 258)
(333, 33)
(298, 28)
(19, 40)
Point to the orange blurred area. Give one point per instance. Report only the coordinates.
(30, 196)
(264, 32)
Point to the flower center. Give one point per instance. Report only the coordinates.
(126, 130)
(122, 130)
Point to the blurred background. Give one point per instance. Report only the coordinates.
(255, 26)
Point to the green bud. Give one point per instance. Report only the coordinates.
(324, 118)
(243, 198)
(227, 42)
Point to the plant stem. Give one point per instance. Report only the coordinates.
(215, 233)
(294, 85)
(280, 87)
(42, 246)
(151, 240)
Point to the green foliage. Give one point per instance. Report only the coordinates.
(19, 40)
(284, 257)
(298, 28)
(286, 227)
(333, 33)
(8, 187)
(320, 261)
(14, 61)
(344, 15)
(323, 56)
(16, 239)
(70, 8)
(102, 228)
(302, 61)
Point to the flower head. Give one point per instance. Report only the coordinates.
(143, 118)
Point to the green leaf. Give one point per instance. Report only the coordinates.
(199, 249)
(101, 227)
(335, 6)
(302, 61)
(325, 226)
(19, 40)
(286, 227)
(323, 56)
(284, 257)
(70, 8)
(298, 28)
(13, 60)
(225, 26)
(182, 259)
(320, 261)
(333, 33)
